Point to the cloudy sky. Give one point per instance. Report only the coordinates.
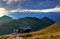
(8, 7)
(30, 5)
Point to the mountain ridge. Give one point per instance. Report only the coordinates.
(33, 22)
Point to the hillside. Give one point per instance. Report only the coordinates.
(33, 22)
(51, 32)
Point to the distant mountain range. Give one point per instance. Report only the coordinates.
(8, 25)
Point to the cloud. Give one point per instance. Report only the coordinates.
(56, 9)
(2, 11)
(11, 1)
(29, 4)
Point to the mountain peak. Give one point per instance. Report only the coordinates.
(46, 18)
(6, 17)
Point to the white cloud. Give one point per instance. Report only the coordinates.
(44, 10)
(2, 11)
(10, 1)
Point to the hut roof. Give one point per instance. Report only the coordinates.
(25, 27)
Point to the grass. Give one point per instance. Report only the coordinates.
(51, 32)
(33, 37)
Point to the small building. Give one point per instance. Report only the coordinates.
(24, 29)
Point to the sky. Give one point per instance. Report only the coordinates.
(34, 8)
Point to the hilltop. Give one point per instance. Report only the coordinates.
(5, 19)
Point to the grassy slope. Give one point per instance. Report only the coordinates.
(52, 32)
(54, 28)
